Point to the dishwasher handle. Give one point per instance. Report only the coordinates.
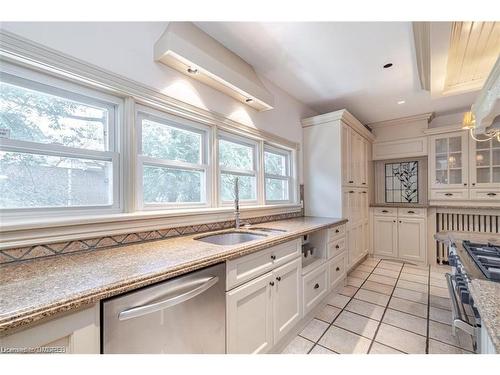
(200, 286)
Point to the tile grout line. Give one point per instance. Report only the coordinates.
(385, 309)
(343, 308)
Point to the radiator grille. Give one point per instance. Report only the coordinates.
(463, 223)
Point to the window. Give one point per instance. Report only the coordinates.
(277, 174)
(401, 182)
(57, 147)
(173, 161)
(237, 158)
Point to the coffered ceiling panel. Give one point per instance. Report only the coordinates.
(474, 48)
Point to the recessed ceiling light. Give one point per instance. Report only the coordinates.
(192, 70)
(249, 100)
(401, 101)
(388, 65)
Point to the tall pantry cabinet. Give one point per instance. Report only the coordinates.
(338, 173)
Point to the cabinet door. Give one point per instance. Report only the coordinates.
(287, 298)
(411, 239)
(449, 160)
(366, 238)
(385, 236)
(355, 241)
(363, 204)
(346, 156)
(356, 155)
(349, 204)
(484, 163)
(365, 166)
(249, 317)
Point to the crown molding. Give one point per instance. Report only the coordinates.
(402, 120)
(21, 51)
(342, 115)
(444, 129)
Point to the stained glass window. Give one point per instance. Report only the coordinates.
(401, 182)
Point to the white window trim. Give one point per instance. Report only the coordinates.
(143, 112)
(289, 177)
(248, 142)
(52, 86)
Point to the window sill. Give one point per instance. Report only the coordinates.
(20, 233)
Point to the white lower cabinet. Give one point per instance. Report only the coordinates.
(315, 287)
(385, 238)
(337, 270)
(400, 236)
(411, 239)
(76, 333)
(262, 311)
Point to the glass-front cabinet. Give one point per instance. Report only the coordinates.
(484, 161)
(448, 160)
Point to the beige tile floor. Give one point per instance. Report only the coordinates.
(387, 307)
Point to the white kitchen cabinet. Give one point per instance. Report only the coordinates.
(337, 270)
(287, 298)
(385, 238)
(411, 239)
(400, 234)
(76, 333)
(315, 287)
(448, 159)
(347, 167)
(484, 164)
(249, 316)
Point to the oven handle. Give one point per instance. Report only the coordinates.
(458, 321)
(200, 286)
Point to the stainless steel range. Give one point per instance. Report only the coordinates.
(470, 260)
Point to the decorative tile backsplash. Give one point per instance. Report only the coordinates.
(59, 248)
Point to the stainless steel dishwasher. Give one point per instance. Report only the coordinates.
(186, 314)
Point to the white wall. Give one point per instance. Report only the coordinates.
(126, 48)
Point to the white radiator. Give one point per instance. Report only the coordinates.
(485, 222)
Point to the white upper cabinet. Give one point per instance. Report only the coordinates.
(347, 178)
(484, 161)
(448, 160)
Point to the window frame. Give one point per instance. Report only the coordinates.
(161, 117)
(248, 142)
(49, 85)
(290, 173)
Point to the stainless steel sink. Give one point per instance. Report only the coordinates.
(271, 230)
(231, 238)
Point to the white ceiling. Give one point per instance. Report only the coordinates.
(335, 65)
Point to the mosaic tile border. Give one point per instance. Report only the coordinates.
(66, 247)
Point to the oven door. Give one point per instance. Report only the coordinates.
(460, 318)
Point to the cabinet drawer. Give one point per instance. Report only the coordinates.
(336, 232)
(411, 212)
(336, 269)
(336, 247)
(315, 287)
(485, 195)
(449, 194)
(385, 211)
(246, 268)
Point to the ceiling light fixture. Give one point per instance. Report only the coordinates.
(192, 70)
(469, 123)
(401, 101)
(388, 65)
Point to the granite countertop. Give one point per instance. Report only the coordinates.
(486, 294)
(32, 291)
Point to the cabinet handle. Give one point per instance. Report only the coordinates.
(491, 194)
(271, 283)
(273, 257)
(278, 278)
(351, 182)
(337, 269)
(465, 183)
(337, 246)
(411, 212)
(337, 231)
(473, 184)
(316, 286)
(385, 211)
(364, 192)
(363, 183)
(448, 194)
(351, 191)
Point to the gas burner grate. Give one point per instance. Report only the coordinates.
(486, 257)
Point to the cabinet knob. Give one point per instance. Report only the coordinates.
(400, 221)
(271, 283)
(448, 194)
(394, 221)
(351, 191)
(465, 183)
(364, 192)
(337, 269)
(278, 278)
(316, 286)
(337, 231)
(273, 257)
(337, 246)
(473, 184)
(363, 183)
